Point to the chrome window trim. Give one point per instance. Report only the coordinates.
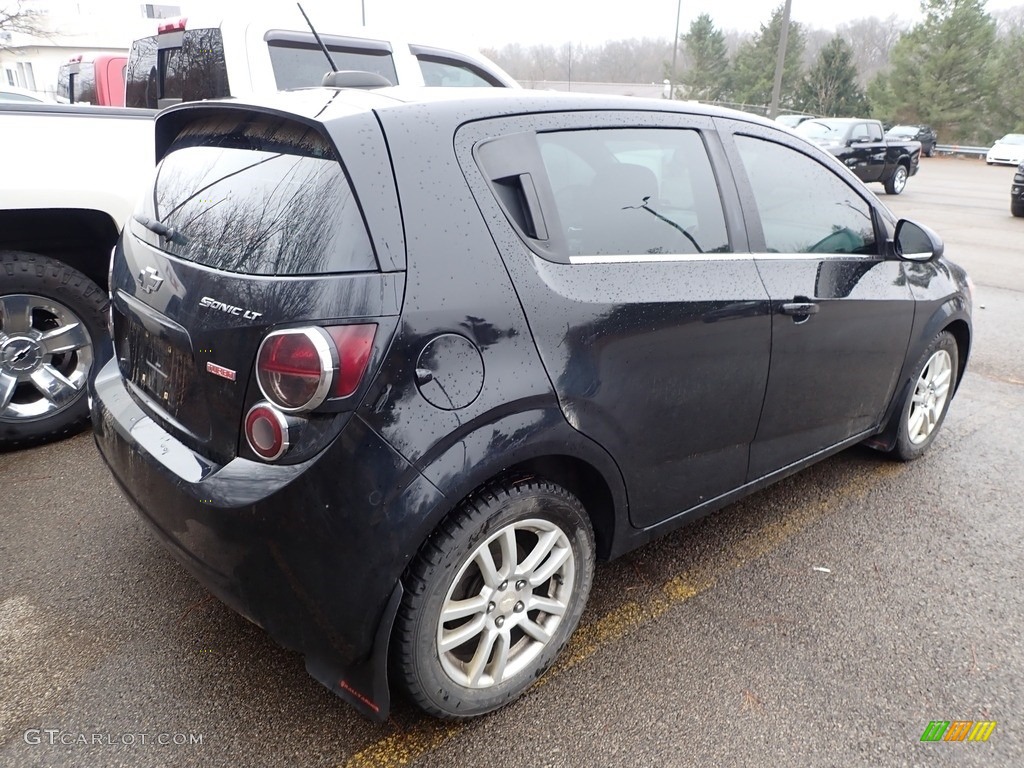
(663, 258)
(816, 257)
(657, 258)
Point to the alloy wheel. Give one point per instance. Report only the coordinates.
(45, 355)
(930, 395)
(505, 603)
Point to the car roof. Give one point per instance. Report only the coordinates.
(325, 104)
(843, 120)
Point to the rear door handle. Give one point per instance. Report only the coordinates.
(800, 308)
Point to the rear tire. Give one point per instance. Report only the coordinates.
(896, 183)
(52, 318)
(492, 598)
(927, 400)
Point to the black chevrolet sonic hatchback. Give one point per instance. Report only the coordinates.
(392, 369)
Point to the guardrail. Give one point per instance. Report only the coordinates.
(956, 149)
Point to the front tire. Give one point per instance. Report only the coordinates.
(492, 598)
(52, 318)
(927, 401)
(896, 183)
(1017, 208)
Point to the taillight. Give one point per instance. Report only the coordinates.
(172, 25)
(294, 368)
(268, 431)
(354, 344)
(298, 368)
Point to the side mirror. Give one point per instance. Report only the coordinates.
(915, 242)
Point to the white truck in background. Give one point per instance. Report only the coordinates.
(211, 57)
(70, 176)
(69, 181)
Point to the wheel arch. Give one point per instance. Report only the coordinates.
(552, 451)
(583, 481)
(79, 237)
(951, 317)
(961, 331)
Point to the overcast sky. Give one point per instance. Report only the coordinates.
(489, 24)
(485, 23)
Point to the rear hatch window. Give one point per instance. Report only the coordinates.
(260, 196)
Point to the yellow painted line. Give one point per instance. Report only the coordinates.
(427, 735)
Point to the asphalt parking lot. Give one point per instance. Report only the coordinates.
(824, 621)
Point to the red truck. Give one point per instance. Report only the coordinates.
(93, 79)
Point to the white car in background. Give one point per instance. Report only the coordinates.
(1009, 150)
(14, 95)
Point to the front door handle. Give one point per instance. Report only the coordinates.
(800, 308)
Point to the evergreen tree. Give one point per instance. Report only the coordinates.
(941, 71)
(705, 73)
(1006, 102)
(754, 67)
(831, 88)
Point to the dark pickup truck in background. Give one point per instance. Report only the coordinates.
(862, 146)
(1017, 192)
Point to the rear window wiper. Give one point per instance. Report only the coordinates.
(161, 229)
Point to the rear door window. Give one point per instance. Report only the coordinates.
(634, 191)
(260, 196)
(452, 74)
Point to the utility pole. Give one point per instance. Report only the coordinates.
(675, 48)
(780, 62)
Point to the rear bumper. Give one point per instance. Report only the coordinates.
(312, 552)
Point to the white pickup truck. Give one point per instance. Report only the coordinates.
(70, 176)
(69, 180)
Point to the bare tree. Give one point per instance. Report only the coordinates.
(15, 17)
(872, 41)
(815, 40)
(1009, 21)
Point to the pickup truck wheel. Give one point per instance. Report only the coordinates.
(897, 182)
(492, 597)
(51, 318)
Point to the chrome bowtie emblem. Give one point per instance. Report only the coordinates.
(150, 280)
